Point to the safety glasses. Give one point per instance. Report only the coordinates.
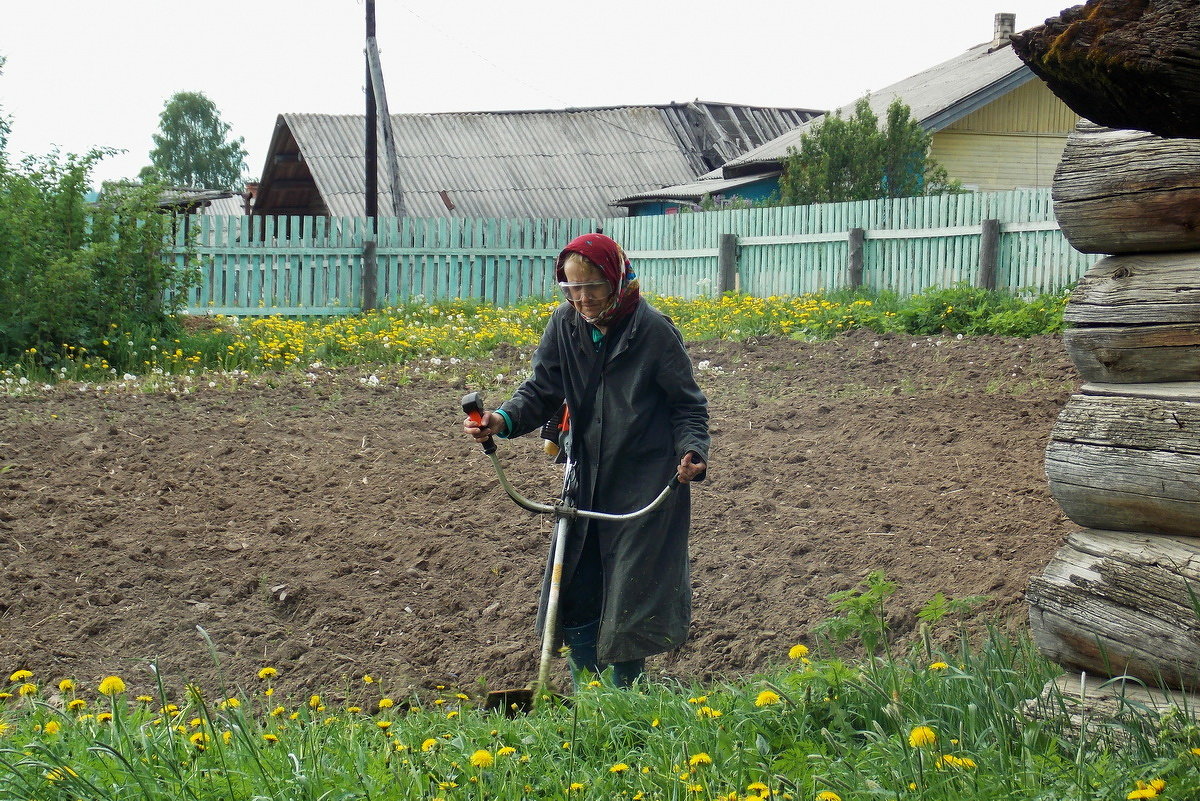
(590, 290)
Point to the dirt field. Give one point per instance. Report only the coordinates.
(330, 526)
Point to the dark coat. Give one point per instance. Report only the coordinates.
(646, 414)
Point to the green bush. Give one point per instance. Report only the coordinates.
(72, 272)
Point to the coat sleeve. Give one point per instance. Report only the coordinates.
(541, 394)
(688, 405)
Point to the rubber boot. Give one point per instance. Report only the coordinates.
(581, 640)
(624, 674)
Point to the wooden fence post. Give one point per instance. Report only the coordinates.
(855, 238)
(727, 265)
(370, 273)
(989, 253)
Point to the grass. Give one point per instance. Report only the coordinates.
(228, 348)
(920, 724)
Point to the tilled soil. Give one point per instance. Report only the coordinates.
(338, 524)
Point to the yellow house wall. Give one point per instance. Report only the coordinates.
(1013, 142)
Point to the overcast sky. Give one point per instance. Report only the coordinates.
(82, 73)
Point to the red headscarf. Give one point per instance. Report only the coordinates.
(610, 258)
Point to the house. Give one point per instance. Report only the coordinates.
(509, 164)
(994, 125)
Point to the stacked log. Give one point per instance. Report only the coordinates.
(1122, 596)
(1124, 63)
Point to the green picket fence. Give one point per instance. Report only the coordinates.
(314, 265)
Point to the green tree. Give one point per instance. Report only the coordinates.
(192, 147)
(855, 159)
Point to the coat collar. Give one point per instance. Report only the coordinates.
(583, 335)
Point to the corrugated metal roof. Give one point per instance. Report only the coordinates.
(695, 191)
(496, 165)
(567, 163)
(937, 97)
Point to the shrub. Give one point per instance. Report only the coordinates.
(70, 271)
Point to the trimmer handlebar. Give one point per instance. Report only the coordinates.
(472, 404)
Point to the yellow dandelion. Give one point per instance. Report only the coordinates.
(797, 651)
(828, 795)
(200, 740)
(268, 673)
(314, 701)
(354, 710)
(271, 738)
(21, 675)
(575, 787)
(386, 703)
(144, 699)
(766, 698)
(506, 751)
(27, 689)
(429, 744)
(620, 767)
(921, 736)
(76, 705)
(708, 712)
(51, 727)
(938, 666)
(482, 759)
(700, 759)
(368, 679)
(112, 685)
(1142, 792)
(58, 774)
(66, 685)
(384, 724)
(104, 717)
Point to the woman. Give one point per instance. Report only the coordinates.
(636, 417)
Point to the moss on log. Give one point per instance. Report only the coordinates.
(1123, 63)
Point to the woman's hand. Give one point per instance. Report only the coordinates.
(490, 423)
(690, 466)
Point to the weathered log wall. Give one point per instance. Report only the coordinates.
(1123, 63)
(1120, 603)
(1129, 461)
(1118, 191)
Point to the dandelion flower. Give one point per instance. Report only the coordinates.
(798, 651)
(386, 703)
(766, 698)
(112, 685)
(429, 744)
(271, 738)
(700, 759)
(575, 787)
(76, 705)
(938, 666)
(828, 795)
(21, 675)
(384, 724)
(277, 711)
(506, 751)
(368, 679)
(482, 759)
(58, 774)
(921, 736)
(51, 727)
(144, 699)
(66, 685)
(199, 740)
(1142, 792)
(104, 717)
(708, 712)
(27, 689)
(267, 673)
(620, 767)
(314, 701)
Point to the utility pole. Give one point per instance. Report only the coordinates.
(371, 179)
